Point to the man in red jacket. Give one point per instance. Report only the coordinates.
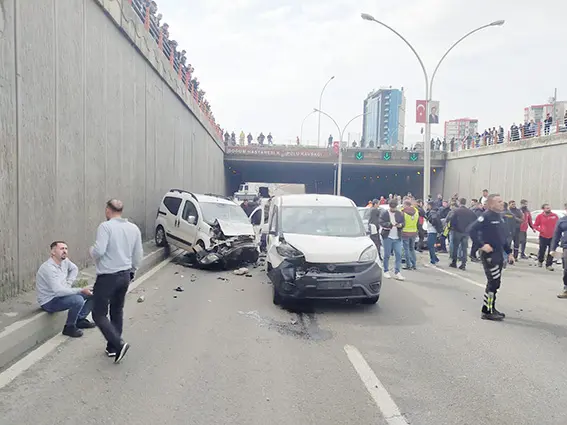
(524, 227)
(545, 224)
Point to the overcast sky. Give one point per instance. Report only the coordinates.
(263, 63)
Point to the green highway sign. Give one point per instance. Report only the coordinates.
(387, 156)
(413, 156)
(359, 156)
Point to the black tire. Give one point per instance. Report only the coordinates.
(371, 300)
(276, 297)
(160, 238)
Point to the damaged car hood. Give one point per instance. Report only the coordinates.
(232, 228)
(329, 249)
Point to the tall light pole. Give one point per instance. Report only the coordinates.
(320, 103)
(303, 122)
(429, 92)
(341, 133)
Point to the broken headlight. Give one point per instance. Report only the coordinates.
(369, 254)
(288, 251)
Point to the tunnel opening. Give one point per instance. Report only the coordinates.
(359, 183)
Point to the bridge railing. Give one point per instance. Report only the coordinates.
(143, 10)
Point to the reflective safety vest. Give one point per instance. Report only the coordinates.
(411, 222)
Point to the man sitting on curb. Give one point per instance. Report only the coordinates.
(55, 293)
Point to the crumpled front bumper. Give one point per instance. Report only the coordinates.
(236, 253)
(296, 281)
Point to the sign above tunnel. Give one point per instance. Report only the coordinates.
(314, 154)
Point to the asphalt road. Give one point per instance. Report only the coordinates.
(221, 353)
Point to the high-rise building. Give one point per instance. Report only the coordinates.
(384, 118)
(460, 129)
(537, 113)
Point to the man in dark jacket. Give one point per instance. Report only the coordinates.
(524, 228)
(392, 223)
(560, 239)
(491, 234)
(518, 220)
(375, 220)
(461, 219)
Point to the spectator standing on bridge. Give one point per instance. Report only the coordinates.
(526, 222)
(330, 144)
(117, 253)
(391, 224)
(491, 233)
(270, 139)
(241, 138)
(461, 220)
(548, 121)
(545, 224)
(250, 138)
(560, 239)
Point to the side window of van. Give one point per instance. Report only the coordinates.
(172, 204)
(190, 210)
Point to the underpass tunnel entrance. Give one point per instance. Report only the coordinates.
(359, 183)
(364, 183)
(318, 178)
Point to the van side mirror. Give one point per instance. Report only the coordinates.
(192, 219)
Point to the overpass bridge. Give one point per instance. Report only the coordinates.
(367, 172)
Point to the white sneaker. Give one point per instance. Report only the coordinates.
(387, 275)
(398, 276)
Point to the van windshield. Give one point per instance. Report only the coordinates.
(322, 221)
(221, 211)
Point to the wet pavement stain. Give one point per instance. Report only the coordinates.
(302, 326)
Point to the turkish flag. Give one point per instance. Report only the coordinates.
(336, 147)
(420, 111)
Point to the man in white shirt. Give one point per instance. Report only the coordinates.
(55, 292)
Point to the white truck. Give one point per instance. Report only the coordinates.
(251, 190)
(264, 191)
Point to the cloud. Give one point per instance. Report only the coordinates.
(263, 64)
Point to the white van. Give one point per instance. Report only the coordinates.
(318, 248)
(215, 228)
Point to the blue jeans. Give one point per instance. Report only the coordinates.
(389, 246)
(409, 250)
(431, 239)
(79, 307)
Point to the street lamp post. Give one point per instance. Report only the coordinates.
(338, 175)
(429, 92)
(303, 122)
(320, 106)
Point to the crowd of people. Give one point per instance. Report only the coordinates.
(243, 139)
(498, 232)
(147, 11)
(494, 136)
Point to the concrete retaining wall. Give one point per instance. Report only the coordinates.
(533, 169)
(89, 110)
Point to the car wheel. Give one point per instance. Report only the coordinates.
(160, 237)
(371, 300)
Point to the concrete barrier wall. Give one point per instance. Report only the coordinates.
(86, 116)
(533, 169)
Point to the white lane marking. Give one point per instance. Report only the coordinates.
(21, 323)
(466, 279)
(379, 394)
(51, 344)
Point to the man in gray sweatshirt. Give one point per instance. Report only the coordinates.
(117, 253)
(54, 287)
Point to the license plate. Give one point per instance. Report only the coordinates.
(335, 284)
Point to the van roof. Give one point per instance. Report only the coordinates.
(316, 200)
(218, 199)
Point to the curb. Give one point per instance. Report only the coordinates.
(25, 335)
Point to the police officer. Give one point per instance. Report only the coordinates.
(490, 231)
